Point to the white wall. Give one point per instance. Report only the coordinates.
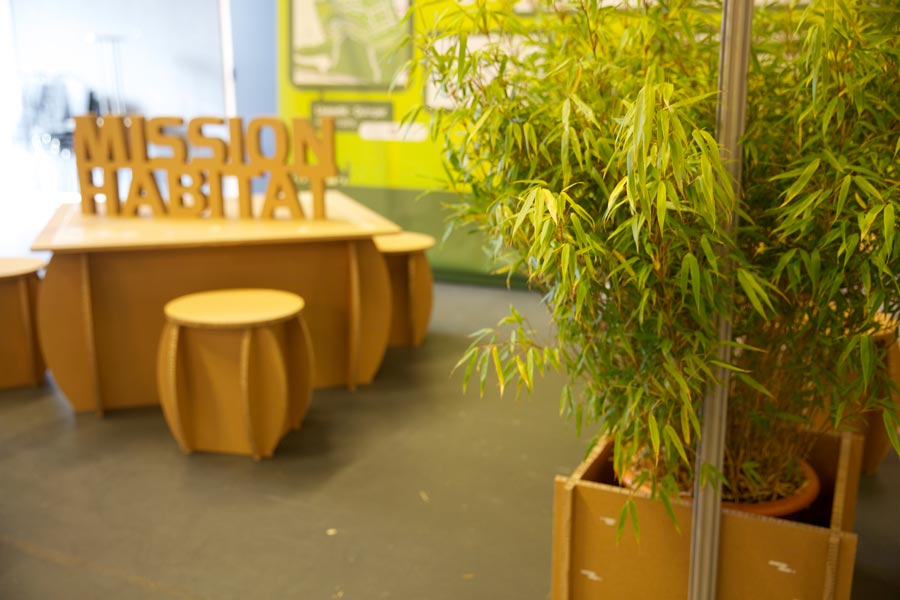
(171, 64)
(170, 49)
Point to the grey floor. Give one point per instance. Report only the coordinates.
(405, 489)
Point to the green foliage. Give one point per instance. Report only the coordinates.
(582, 138)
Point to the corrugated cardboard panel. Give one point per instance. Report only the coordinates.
(775, 559)
(66, 329)
(17, 341)
(760, 557)
(836, 457)
(562, 532)
(656, 567)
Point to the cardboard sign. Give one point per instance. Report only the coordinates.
(106, 145)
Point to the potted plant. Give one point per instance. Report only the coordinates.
(582, 139)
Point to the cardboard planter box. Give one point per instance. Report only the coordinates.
(760, 557)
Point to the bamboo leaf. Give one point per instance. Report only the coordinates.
(565, 262)
(685, 425)
(842, 196)
(585, 110)
(530, 137)
(498, 367)
(890, 425)
(829, 112)
(614, 196)
(472, 357)
(523, 373)
(622, 520)
(867, 187)
(709, 253)
(889, 224)
(565, 401)
(524, 210)
(799, 185)
(530, 363)
(480, 123)
(461, 59)
(483, 372)
(632, 511)
(654, 435)
(752, 291)
(752, 383)
(690, 262)
(661, 205)
(672, 437)
(729, 366)
(472, 350)
(667, 503)
(549, 200)
(866, 351)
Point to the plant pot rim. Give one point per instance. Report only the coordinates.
(800, 499)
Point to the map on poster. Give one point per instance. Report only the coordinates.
(348, 43)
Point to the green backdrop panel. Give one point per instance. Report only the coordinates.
(461, 257)
(338, 58)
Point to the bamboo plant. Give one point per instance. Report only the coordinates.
(581, 139)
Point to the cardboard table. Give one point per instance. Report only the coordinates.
(101, 306)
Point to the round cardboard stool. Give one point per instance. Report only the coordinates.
(234, 369)
(20, 357)
(411, 285)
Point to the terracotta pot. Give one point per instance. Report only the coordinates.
(802, 497)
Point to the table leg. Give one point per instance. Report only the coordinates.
(66, 331)
(30, 342)
(353, 325)
(88, 315)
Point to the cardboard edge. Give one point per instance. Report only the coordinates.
(562, 538)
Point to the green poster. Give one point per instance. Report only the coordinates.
(346, 59)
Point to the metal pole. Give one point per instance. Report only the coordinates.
(734, 56)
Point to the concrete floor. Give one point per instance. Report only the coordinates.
(405, 489)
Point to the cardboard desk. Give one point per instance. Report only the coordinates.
(100, 310)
